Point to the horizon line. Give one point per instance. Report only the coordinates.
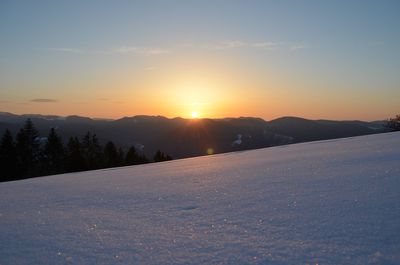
(179, 117)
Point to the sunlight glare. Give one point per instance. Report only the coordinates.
(195, 115)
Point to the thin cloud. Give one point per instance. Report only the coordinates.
(223, 45)
(110, 101)
(141, 50)
(268, 45)
(43, 100)
(65, 50)
(296, 47)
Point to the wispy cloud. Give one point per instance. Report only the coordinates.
(44, 100)
(65, 50)
(222, 45)
(300, 46)
(122, 49)
(141, 50)
(268, 44)
(110, 101)
(227, 45)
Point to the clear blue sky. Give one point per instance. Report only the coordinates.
(317, 59)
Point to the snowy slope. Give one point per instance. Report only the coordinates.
(329, 202)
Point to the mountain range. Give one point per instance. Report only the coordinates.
(181, 138)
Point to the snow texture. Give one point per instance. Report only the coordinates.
(327, 202)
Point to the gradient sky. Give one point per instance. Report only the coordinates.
(314, 59)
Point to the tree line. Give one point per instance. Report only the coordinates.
(394, 123)
(31, 156)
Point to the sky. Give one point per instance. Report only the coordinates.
(109, 59)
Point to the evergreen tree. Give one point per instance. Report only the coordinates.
(8, 158)
(111, 156)
(75, 160)
(143, 159)
(160, 156)
(26, 158)
(131, 157)
(394, 123)
(121, 157)
(28, 149)
(92, 151)
(54, 154)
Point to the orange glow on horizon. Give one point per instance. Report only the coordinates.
(199, 88)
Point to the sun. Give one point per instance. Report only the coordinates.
(195, 115)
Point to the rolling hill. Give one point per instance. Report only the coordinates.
(182, 138)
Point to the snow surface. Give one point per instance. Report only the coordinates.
(327, 202)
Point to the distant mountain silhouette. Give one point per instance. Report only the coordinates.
(303, 130)
(180, 137)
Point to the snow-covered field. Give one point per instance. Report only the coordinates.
(329, 202)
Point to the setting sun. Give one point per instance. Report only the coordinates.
(195, 115)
